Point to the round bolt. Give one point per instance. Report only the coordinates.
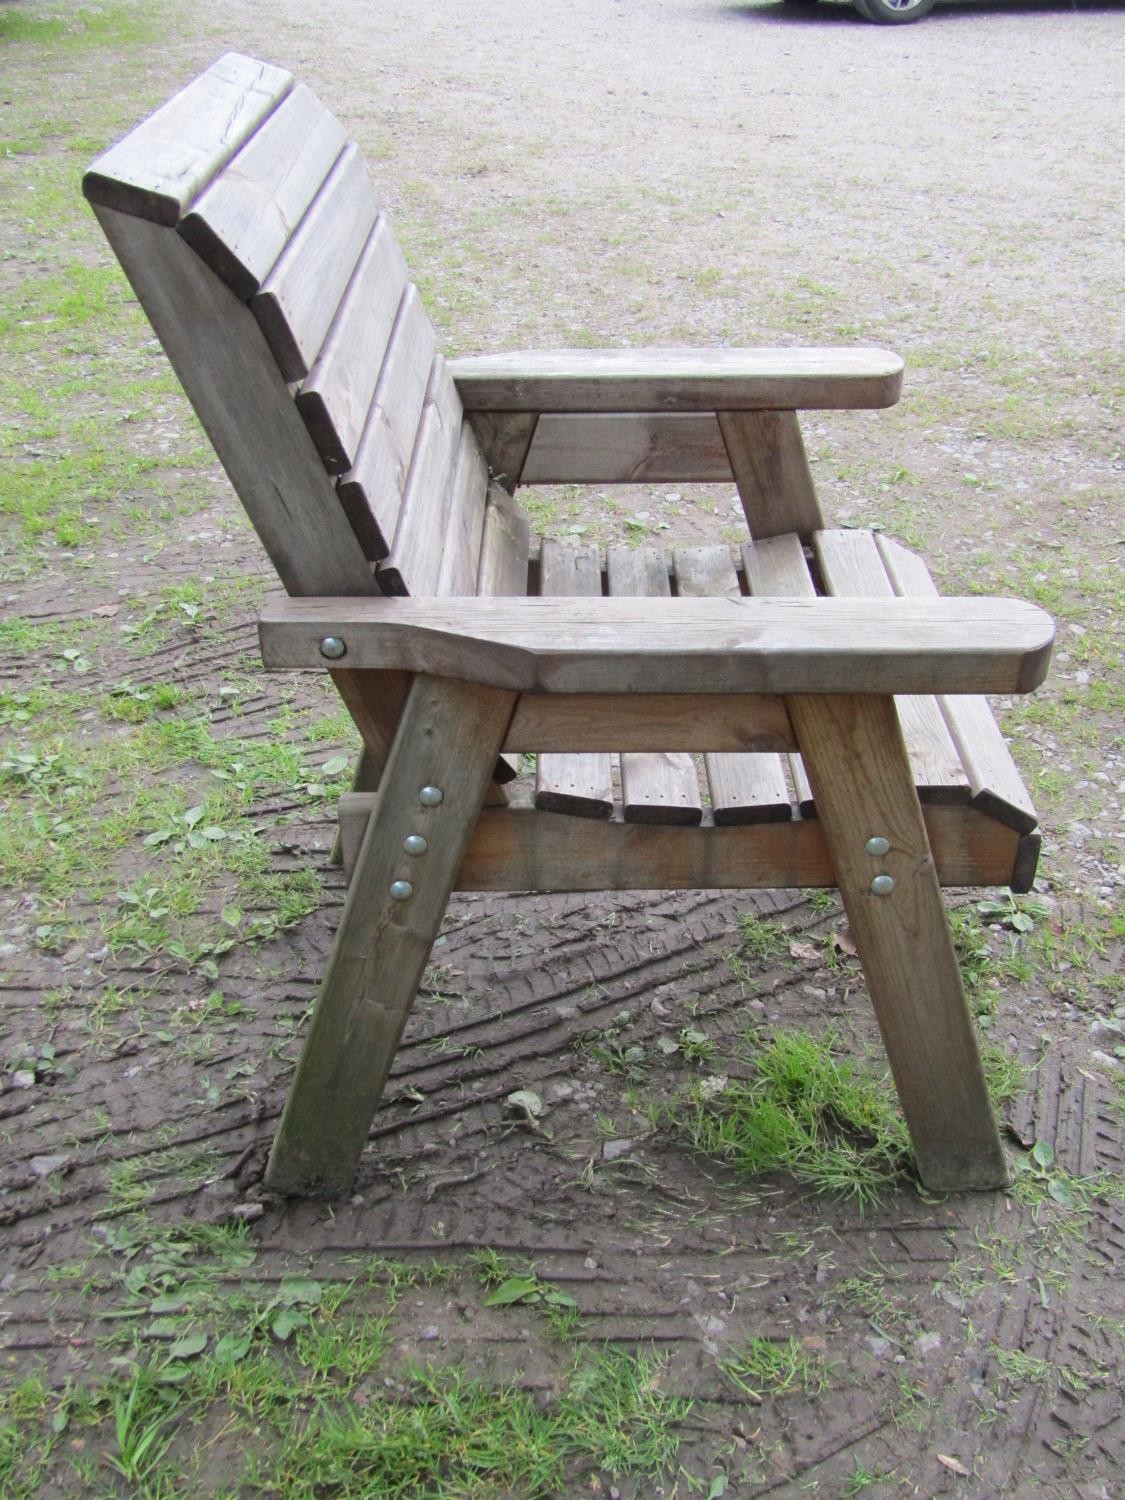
(882, 885)
(401, 890)
(414, 843)
(430, 796)
(877, 845)
(332, 647)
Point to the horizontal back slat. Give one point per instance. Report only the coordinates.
(299, 298)
(372, 490)
(242, 222)
(336, 397)
(161, 166)
(414, 564)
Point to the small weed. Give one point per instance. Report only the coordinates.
(808, 1112)
(776, 1367)
(759, 938)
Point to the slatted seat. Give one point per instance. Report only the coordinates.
(801, 711)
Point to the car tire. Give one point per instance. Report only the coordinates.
(893, 12)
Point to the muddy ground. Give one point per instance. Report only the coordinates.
(599, 172)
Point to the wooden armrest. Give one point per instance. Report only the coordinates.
(627, 380)
(639, 645)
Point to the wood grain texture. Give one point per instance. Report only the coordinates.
(581, 785)
(449, 737)
(624, 380)
(656, 786)
(851, 566)
(336, 397)
(299, 297)
(502, 570)
(159, 168)
(231, 379)
(414, 563)
(504, 439)
(667, 646)
(775, 484)
(637, 448)
(995, 780)
(650, 721)
(460, 545)
(521, 849)
(244, 219)
(855, 757)
(744, 788)
(371, 492)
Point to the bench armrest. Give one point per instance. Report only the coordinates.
(639, 645)
(678, 380)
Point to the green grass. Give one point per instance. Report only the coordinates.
(116, 26)
(776, 1367)
(807, 1111)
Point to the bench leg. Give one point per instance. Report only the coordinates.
(448, 737)
(861, 779)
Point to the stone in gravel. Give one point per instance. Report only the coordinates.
(927, 1343)
(1104, 1060)
(428, 1335)
(247, 1212)
(880, 1348)
(23, 1078)
(613, 1149)
(43, 1166)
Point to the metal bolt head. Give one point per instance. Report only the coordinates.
(877, 845)
(882, 885)
(332, 647)
(401, 890)
(414, 843)
(430, 796)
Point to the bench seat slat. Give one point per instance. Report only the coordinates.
(744, 788)
(995, 780)
(851, 567)
(160, 167)
(299, 297)
(581, 785)
(371, 491)
(242, 222)
(656, 786)
(336, 398)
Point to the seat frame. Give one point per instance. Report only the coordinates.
(442, 684)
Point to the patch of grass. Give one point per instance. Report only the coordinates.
(759, 938)
(776, 1367)
(808, 1111)
(117, 26)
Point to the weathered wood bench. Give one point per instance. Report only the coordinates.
(832, 695)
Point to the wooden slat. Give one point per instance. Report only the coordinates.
(449, 737)
(581, 785)
(504, 547)
(622, 380)
(851, 566)
(776, 566)
(520, 849)
(637, 448)
(414, 564)
(744, 788)
(650, 721)
(863, 781)
(299, 297)
(460, 546)
(371, 491)
(221, 358)
(336, 398)
(158, 168)
(994, 777)
(241, 223)
(767, 458)
(504, 439)
(571, 645)
(658, 786)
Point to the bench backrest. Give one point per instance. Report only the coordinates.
(257, 245)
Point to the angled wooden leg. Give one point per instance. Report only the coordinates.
(864, 789)
(448, 737)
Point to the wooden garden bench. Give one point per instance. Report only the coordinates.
(831, 694)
